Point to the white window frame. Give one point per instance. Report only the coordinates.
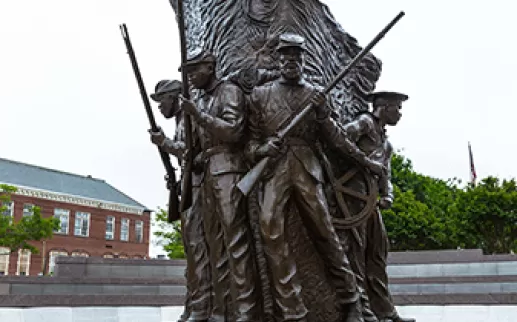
(10, 207)
(110, 235)
(29, 212)
(88, 219)
(5, 253)
(122, 229)
(62, 212)
(80, 254)
(139, 237)
(52, 259)
(28, 261)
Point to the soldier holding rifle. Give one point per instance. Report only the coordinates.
(297, 176)
(218, 113)
(199, 289)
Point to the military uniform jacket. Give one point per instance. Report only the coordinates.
(272, 106)
(219, 133)
(364, 137)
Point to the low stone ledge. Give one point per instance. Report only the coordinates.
(446, 257)
(454, 279)
(90, 300)
(89, 280)
(456, 299)
(119, 261)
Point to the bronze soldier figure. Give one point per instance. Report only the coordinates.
(218, 112)
(197, 304)
(297, 176)
(365, 140)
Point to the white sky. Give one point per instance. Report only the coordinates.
(69, 100)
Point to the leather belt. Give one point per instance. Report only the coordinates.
(210, 152)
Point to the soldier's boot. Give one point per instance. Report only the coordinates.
(401, 319)
(368, 314)
(354, 312)
(184, 316)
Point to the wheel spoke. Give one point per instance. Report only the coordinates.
(353, 193)
(347, 176)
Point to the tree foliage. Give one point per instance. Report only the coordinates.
(428, 214)
(17, 235)
(487, 215)
(170, 235)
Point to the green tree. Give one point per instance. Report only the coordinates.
(421, 217)
(170, 235)
(487, 215)
(17, 235)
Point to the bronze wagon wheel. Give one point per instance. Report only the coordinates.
(345, 194)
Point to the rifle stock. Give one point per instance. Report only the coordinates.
(186, 183)
(246, 184)
(172, 210)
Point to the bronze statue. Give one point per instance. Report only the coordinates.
(199, 288)
(368, 132)
(297, 175)
(254, 68)
(364, 139)
(218, 112)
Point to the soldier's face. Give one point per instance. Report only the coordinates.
(291, 63)
(169, 105)
(391, 112)
(199, 75)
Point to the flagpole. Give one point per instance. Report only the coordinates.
(473, 175)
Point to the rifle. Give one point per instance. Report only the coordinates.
(172, 211)
(186, 183)
(247, 183)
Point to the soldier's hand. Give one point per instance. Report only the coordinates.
(385, 203)
(188, 106)
(377, 168)
(157, 137)
(318, 98)
(271, 148)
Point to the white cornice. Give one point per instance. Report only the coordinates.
(77, 200)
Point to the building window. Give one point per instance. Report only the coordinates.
(124, 229)
(108, 255)
(24, 262)
(4, 260)
(28, 210)
(110, 227)
(139, 231)
(63, 216)
(82, 224)
(52, 259)
(79, 253)
(9, 208)
(124, 256)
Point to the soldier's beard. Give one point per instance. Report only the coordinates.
(291, 71)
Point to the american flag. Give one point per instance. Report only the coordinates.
(473, 175)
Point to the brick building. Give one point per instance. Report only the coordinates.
(96, 219)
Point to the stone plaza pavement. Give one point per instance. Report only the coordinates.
(474, 313)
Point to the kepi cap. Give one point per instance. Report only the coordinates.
(290, 40)
(199, 56)
(164, 87)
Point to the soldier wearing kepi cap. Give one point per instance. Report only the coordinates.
(199, 289)
(296, 175)
(218, 112)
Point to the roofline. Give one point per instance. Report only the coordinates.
(78, 200)
(79, 176)
(53, 170)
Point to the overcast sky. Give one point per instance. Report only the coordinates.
(69, 100)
